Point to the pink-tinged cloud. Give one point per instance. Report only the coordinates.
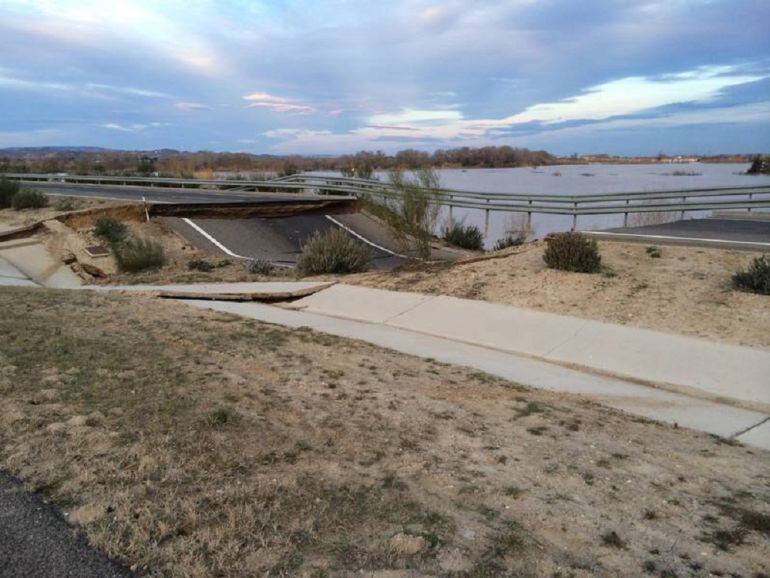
(285, 108)
(265, 97)
(392, 127)
(278, 103)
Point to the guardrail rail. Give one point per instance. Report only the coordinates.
(681, 200)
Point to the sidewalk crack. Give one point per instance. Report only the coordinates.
(412, 308)
(748, 429)
(567, 339)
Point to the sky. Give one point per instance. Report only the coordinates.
(328, 77)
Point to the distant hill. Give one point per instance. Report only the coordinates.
(37, 152)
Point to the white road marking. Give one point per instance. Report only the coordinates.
(364, 239)
(669, 237)
(214, 241)
(225, 249)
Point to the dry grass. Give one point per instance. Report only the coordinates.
(192, 443)
(685, 290)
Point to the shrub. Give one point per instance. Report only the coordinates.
(138, 254)
(110, 230)
(510, 240)
(756, 278)
(572, 252)
(654, 252)
(760, 165)
(64, 205)
(413, 214)
(465, 236)
(8, 190)
(200, 265)
(260, 267)
(333, 252)
(29, 199)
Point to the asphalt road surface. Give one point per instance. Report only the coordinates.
(277, 240)
(158, 194)
(721, 229)
(37, 542)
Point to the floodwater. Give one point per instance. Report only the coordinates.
(583, 180)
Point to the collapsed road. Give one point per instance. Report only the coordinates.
(278, 239)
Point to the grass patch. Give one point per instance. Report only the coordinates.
(613, 540)
(756, 278)
(200, 265)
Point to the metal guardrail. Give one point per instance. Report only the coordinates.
(683, 200)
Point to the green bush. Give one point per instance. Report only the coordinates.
(333, 252)
(465, 236)
(110, 230)
(137, 254)
(756, 278)
(260, 267)
(64, 205)
(510, 240)
(29, 199)
(654, 252)
(572, 252)
(8, 190)
(200, 265)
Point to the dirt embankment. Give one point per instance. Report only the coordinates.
(687, 290)
(193, 443)
(67, 231)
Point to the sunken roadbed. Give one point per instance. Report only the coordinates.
(37, 542)
(733, 232)
(277, 240)
(268, 226)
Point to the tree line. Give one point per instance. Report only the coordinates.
(203, 164)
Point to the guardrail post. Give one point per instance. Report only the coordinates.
(681, 215)
(451, 198)
(574, 216)
(486, 220)
(751, 196)
(529, 216)
(625, 215)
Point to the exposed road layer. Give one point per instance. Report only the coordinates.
(36, 541)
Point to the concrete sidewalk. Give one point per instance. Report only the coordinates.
(34, 261)
(701, 414)
(11, 276)
(244, 291)
(695, 367)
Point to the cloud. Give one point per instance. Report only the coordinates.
(91, 89)
(135, 127)
(277, 103)
(413, 116)
(635, 94)
(190, 106)
(438, 72)
(265, 97)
